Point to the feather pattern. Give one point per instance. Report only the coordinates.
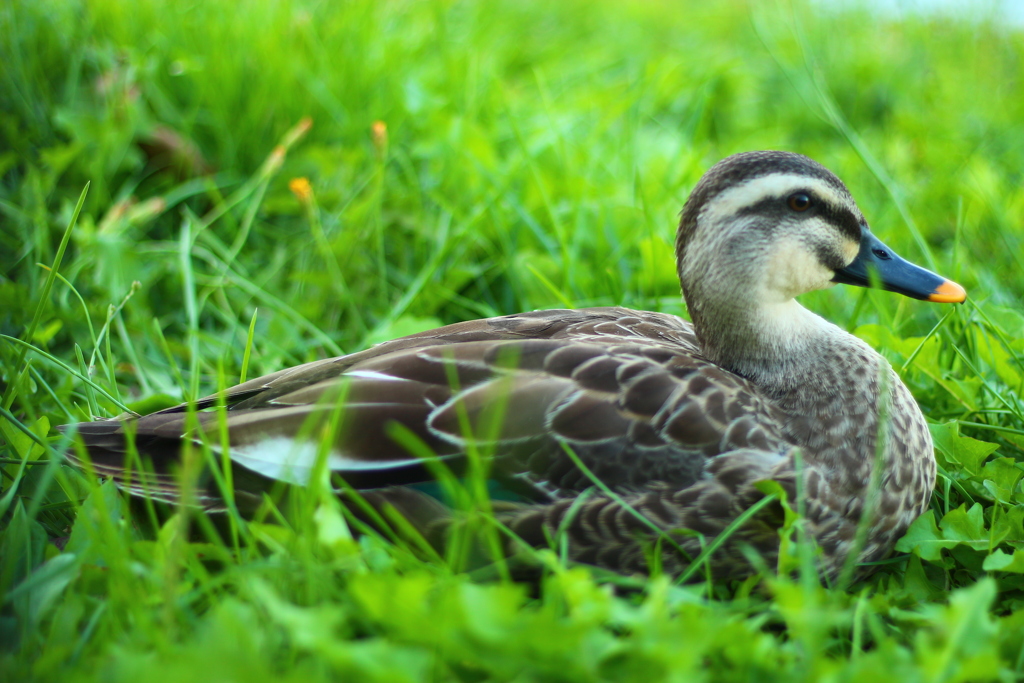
(680, 421)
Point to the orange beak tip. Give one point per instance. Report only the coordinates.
(948, 292)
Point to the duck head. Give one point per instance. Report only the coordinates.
(761, 228)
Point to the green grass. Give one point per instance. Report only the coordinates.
(536, 155)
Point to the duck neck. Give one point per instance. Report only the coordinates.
(827, 381)
(780, 346)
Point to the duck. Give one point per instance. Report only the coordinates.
(620, 431)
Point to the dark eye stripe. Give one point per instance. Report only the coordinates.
(840, 216)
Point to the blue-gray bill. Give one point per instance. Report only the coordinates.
(896, 274)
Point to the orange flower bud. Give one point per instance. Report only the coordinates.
(379, 135)
(301, 188)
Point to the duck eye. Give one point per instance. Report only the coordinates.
(799, 201)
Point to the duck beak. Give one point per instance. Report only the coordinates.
(896, 275)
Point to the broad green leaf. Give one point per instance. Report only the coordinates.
(22, 444)
(1000, 477)
(320, 630)
(969, 556)
(22, 545)
(924, 539)
(1009, 525)
(43, 587)
(915, 581)
(1004, 562)
(965, 526)
(1009, 320)
(958, 527)
(332, 530)
(99, 520)
(959, 644)
(991, 349)
(311, 628)
(45, 333)
(926, 360)
(961, 450)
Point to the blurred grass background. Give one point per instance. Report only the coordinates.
(468, 159)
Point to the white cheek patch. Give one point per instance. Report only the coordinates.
(850, 251)
(794, 270)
